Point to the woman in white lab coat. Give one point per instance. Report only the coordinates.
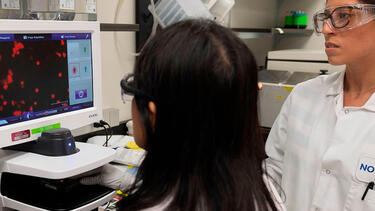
(195, 112)
(322, 145)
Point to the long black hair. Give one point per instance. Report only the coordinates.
(205, 149)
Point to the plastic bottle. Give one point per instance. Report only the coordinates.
(10, 9)
(289, 20)
(62, 9)
(37, 9)
(300, 20)
(85, 10)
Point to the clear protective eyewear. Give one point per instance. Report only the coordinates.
(128, 89)
(344, 17)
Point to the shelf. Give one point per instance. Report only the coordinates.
(282, 31)
(250, 33)
(256, 30)
(119, 27)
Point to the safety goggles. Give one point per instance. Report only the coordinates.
(344, 17)
(128, 89)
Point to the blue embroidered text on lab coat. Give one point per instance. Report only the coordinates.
(365, 167)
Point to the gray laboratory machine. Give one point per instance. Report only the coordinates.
(285, 69)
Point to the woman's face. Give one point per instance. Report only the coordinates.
(138, 128)
(349, 47)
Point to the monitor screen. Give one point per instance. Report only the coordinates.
(44, 74)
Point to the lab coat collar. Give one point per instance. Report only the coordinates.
(337, 85)
(337, 88)
(370, 104)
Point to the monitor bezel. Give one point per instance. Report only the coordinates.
(71, 120)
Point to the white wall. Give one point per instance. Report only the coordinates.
(117, 52)
(117, 56)
(255, 14)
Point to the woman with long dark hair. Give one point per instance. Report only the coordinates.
(195, 112)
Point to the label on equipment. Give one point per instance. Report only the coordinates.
(91, 6)
(67, 4)
(10, 4)
(45, 128)
(20, 135)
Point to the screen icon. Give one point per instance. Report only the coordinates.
(81, 94)
(28, 115)
(74, 70)
(3, 122)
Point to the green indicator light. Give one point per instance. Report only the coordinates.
(45, 128)
(85, 49)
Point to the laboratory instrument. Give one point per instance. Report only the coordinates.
(52, 80)
(284, 70)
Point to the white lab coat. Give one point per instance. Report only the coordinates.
(323, 154)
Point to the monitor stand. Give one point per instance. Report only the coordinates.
(38, 176)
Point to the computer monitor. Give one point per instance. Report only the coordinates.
(50, 77)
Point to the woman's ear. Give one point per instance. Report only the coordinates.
(152, 116)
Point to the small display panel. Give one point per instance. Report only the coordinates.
(43, 75)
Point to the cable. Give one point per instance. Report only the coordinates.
(97, 125)
(106, 137)
(109, 128)
(117, 12)
(104, 123)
